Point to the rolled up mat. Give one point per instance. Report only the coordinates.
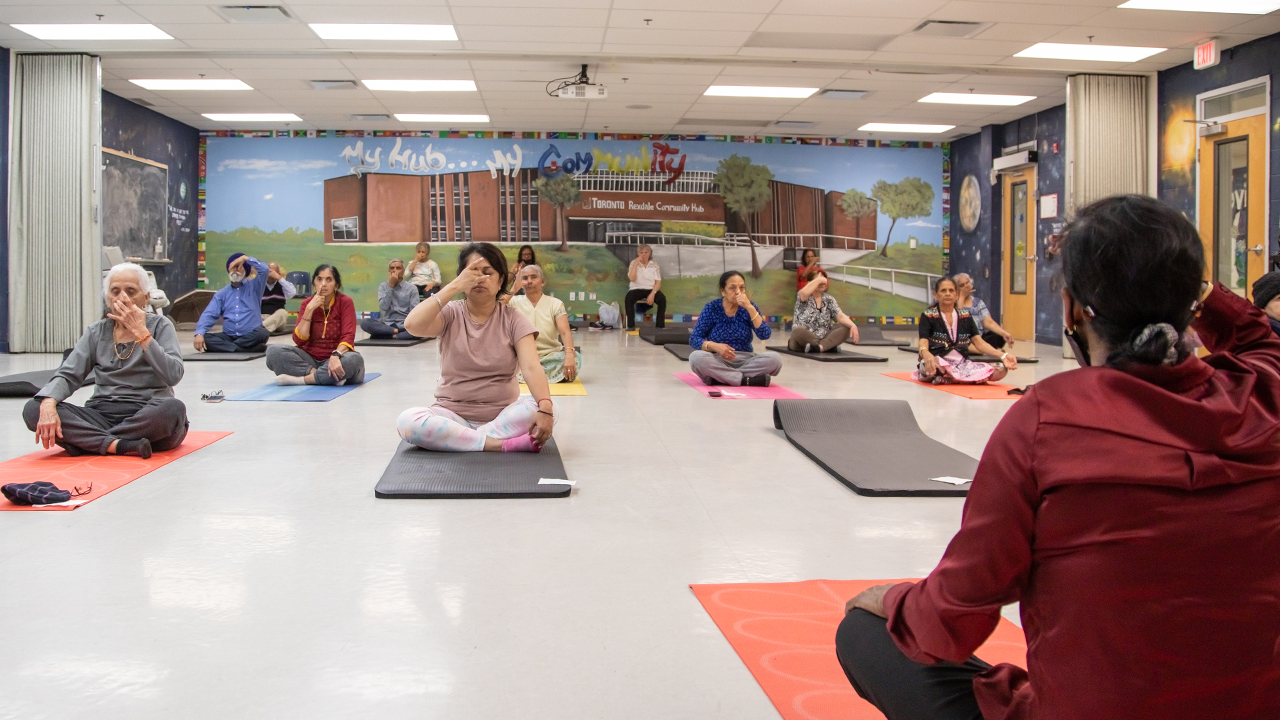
(986, 391)
(100, 474)
(872, 335)
(25, 385)
(390, 342)
(300, 393)
(415, 473)
(875, 447)
(681, 351)
(836, 355)
(664, 336)
(222, 357)
(784, 633)
(915, 350)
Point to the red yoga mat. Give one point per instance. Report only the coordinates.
(101, 473)
(785, 634)
(990, 391)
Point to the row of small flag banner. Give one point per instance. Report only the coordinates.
(512, 135)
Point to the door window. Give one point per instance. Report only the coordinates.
(1018, 224)
(1231, 214)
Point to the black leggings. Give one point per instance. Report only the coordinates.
(659, 303)
(898, 686)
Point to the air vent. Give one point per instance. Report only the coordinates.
(370, 117)
(333, 85)
(949, 28)
(817, 41)
(843, 94)
(713, 122)
(143, 103)
(794, 124)
(255, 14)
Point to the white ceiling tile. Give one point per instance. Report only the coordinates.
(838, 24)
(391, 46)
(553, 19)
(405, 67)
(934, 59)
(693, 38)
(525, 35)
(239, 32)
(1140, 37)
(860, 8)
(927, 46)
(314, 64)
(79, 13)
(1162, 20)
(127, 64)
(677, 20)
(1023, 32)
(530, 47)
(550, 4)
(178, 14)
(1055, 14)
(712, 6)
(666, 52)
(839, 55)
(360, 13)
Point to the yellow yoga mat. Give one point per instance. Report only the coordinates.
(633, 332)
(565, 388)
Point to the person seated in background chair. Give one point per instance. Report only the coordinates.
(722, 339)
(560, 361)
(1129, 507)
(524, 258)
(946, 334)
(819, 326)
(645, 289)
(395, 299)
(239, 305)
(483, 342)
(994, 335)
(1266, 297)
(274, 294)
(134, 360)
(324, 351)
(424, 273)
(808, 263)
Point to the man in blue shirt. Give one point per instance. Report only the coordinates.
(239, 305)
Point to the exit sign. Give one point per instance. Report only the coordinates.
(1207, 55)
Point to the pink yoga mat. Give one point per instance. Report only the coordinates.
(728, 392)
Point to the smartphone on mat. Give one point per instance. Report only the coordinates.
(714, 393)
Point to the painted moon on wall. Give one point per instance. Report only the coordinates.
(970, 203)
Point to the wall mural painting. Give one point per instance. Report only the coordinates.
(877, 210)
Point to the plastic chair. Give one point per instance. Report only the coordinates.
(301, 280)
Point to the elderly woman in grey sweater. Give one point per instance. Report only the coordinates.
(135, 361)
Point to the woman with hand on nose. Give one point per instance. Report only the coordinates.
(722, 338)
(324, 341)
(819, 325)
(483, 342)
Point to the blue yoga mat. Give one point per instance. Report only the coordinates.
(299, 393)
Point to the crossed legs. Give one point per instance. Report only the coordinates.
(436, 428)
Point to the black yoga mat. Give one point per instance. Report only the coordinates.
(871, 335)
(980, 358)
(25, 385)
(222, 357)
(833, 356)
(390, 342)
(875, 447)
(681, 351)
(422, 474)
(664, 336)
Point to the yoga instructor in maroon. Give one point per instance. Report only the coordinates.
(1131, 507)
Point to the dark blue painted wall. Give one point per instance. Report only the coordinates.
(131, 128)
(979, 253)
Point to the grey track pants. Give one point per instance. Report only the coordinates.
(293, 360)
(713, 369)
(91, 429)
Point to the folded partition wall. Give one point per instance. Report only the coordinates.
(1106, 136)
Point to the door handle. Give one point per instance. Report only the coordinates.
(1256, 250)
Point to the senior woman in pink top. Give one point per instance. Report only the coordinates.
(482, 344)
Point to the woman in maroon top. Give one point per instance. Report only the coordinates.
(324, 350)
(1129, 506)
(808, 264)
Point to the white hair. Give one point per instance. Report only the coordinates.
(534, 267)
(957, 277)
(143, 281)
(393, 261)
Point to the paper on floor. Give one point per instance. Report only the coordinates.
(557, 481)
(952, 480)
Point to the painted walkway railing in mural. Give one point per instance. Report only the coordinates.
(693, 181)
(913, 284)
(814, 240)
(665, 238)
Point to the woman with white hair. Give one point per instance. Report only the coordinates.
(135, 361)
(556, 353)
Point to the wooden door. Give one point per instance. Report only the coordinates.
(1232, 178)
(1018, 265)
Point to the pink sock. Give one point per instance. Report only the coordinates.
(523, 443)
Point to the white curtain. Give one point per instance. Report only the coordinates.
(1106, 136)
(55, 240)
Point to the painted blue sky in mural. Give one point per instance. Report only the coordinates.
(278, 183)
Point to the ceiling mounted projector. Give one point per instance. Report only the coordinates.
(577, 87)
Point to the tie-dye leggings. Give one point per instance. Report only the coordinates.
(435, 428)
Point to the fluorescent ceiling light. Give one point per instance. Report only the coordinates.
(253, 117)
(412, 117)
(763, 92)
(94, 31)
(1242, 7)
(191, 84)
(904, 128)
(422, 85)
(976, 99)
(1102, 53)
(350, 31)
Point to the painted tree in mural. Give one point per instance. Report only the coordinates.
(912, 197)
(745, 188)
(561, 192)
(856, 204)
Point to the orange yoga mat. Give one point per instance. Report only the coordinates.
(990, 391)
(100, 473)
(785, 633)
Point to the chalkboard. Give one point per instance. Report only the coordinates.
(135, 204)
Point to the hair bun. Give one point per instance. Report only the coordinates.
(1157, 343)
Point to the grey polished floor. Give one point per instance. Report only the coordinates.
(259, 577)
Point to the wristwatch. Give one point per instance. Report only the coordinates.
(336, 354)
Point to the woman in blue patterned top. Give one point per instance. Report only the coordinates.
(723, 335)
